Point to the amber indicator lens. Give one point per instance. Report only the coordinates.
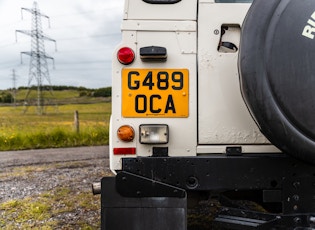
(126, 133)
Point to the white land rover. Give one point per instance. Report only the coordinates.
(208, 97)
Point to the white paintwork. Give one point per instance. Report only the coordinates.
(139, 10)
(220, 116)
(178, 36)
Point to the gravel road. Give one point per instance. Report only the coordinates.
(76, 163)
(41, 156)
(61, 180)
(35, 174)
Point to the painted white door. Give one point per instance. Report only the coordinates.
(223, 118)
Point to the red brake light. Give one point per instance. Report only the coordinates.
(125, 55)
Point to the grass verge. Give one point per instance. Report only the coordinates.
(50, 210)
(28, 130)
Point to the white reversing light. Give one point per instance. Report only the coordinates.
(154, 134)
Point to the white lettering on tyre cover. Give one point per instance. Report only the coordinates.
(309, 29)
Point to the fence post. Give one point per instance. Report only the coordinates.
(76, 121)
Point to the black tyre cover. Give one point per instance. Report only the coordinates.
(277, 73)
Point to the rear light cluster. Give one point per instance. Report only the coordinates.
(152, 134)
(149, 134)
(125, 133)
(125, 55)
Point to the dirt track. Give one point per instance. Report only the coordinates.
(41, 156)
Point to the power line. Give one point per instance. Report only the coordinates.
(89, 36)
(67, 50)
(69, 38)
(88, 12)
(10, 24)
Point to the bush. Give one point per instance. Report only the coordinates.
(103, 92)
(6, 97)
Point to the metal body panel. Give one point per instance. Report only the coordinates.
(204, 151)
(138, 9)
(222, 114)
(179, 38)
(217, 117)
(214, 149)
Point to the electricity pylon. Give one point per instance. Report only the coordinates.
(38, 61)
(14, 87)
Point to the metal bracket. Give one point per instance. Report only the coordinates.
(233, 218)
(131, 185)
(234, 151)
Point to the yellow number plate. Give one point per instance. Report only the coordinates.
(155, 92)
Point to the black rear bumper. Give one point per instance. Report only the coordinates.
(150, 192)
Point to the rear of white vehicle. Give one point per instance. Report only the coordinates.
(156, 94)
(178, 95)
(186, 119)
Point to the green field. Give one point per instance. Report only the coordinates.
(22, 128)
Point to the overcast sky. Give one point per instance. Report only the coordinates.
(86, 33)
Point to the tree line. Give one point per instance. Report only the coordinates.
(6, 96)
